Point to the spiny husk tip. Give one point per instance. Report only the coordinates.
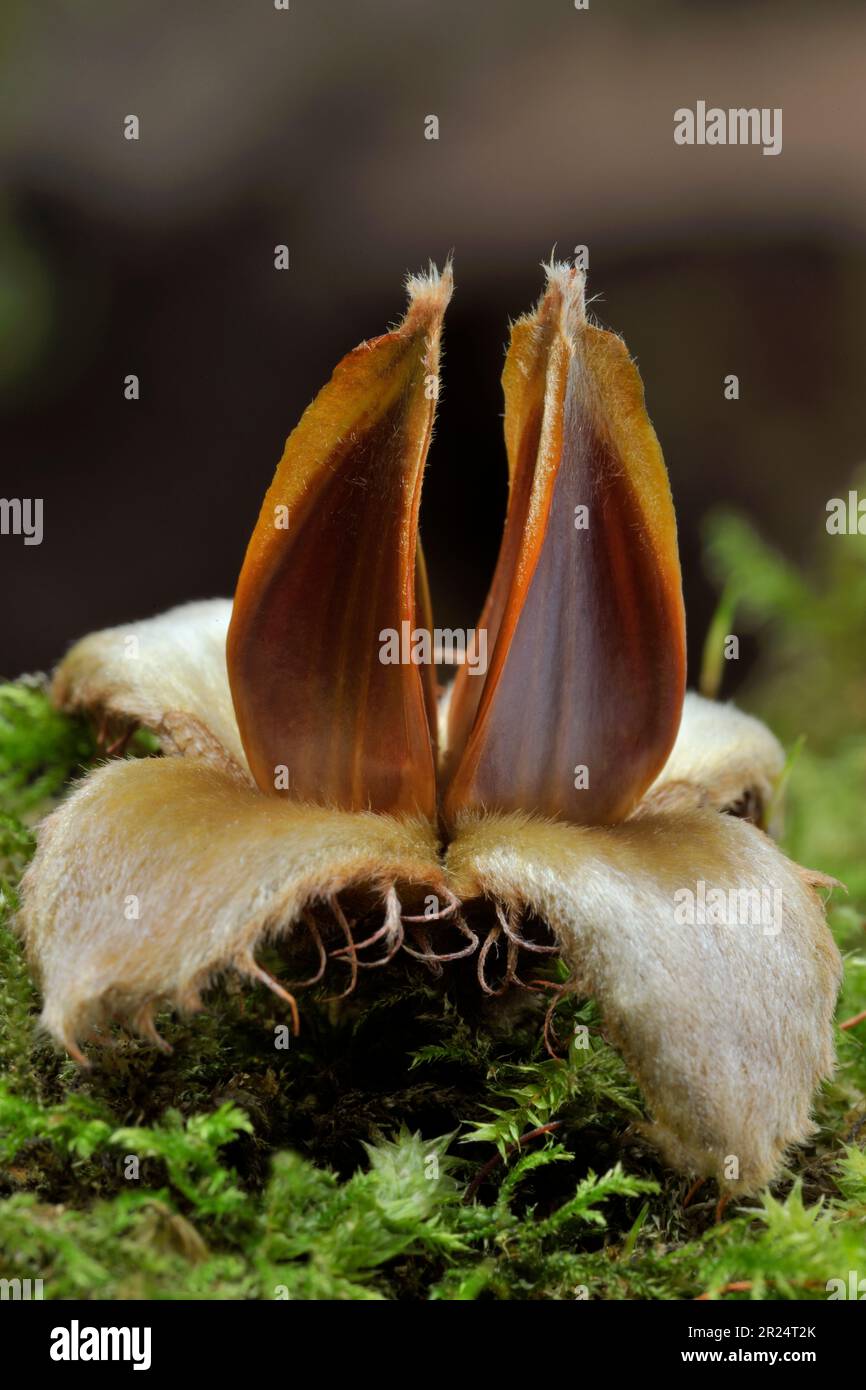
(429, 294)
(564, 294)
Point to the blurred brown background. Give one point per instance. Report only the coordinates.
(306, 127)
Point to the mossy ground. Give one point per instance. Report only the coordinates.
(360, 1162)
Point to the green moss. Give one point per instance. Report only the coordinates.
(40, 749)
(786, 1250)
(381, 1155)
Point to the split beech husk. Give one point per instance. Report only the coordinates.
(303, 648)
(157, 875)
(728, 1030)
(588, 624)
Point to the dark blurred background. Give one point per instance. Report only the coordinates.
(306, 127)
